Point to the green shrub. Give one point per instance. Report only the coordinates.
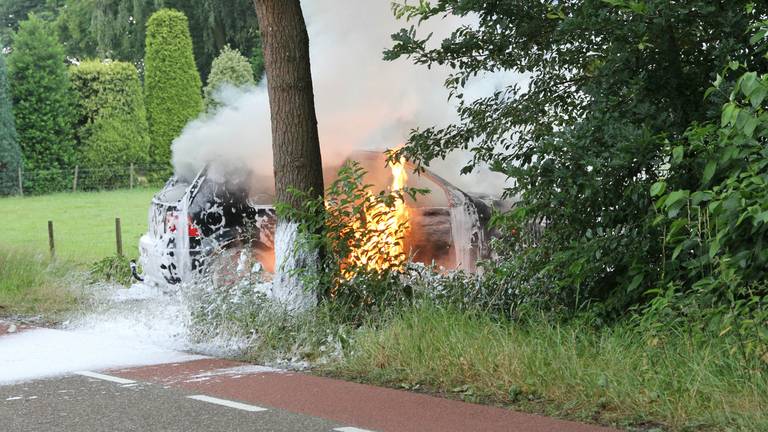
(43, 104)
(231, 68)
(713, 207)
(112, 269)
(257, 64)
(112, 122)
(583, 135)
(171, 83)
(10, 154)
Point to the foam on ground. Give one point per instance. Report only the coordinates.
(43, 353)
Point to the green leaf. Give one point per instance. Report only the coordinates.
(635, 282)
(677, 251)
(758, 96)
(677, 153)
(709, 171)
(714, 248)
(750, 126)
(658, 188)
(727, 114)
(761, 218)
(718, 81)
(676, 226)
(701, 196)
(749, 83)
(675, 196)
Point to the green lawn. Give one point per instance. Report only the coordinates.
(84, 222)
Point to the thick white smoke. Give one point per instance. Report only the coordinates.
(362, 102)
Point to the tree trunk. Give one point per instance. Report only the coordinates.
(295, 142)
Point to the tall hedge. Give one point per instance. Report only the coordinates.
(172, 83)
(231, 68)
(10, 154)
(43, 105)
(112, 121)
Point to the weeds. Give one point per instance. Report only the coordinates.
(114, 268)
(234, 306)
(31, 284)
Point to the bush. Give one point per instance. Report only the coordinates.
(10, 154)
(112, 122)
(229, 68)
(172, 84)
(713, 207)
(114, 268)
(584, 134)
(257, 64)
(43, 104)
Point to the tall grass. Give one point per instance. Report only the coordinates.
(615, 375)
(31, 284)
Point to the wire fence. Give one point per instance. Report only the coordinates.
(85, 178)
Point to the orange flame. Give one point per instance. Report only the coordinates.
(382, 230)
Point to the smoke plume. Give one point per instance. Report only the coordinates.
(362, 102)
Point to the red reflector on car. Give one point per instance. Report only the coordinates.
(192, 230)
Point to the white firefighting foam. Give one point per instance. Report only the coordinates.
(135, 327)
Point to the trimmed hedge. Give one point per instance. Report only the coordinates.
(112, 120)
(43, 104)
(231, 68)
(10, 154)
(172, 83)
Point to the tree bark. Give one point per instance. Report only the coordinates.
(295, 144)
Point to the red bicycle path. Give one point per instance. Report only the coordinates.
(365, 406)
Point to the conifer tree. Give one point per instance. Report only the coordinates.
(229, 68)
(172, 84)
(42, 104)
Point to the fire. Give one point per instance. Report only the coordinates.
(381, 232)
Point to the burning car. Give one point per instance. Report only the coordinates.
(190, 220)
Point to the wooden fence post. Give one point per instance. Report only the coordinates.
(118, 237)
(21, 182)
(50, 239)
(131, 176)
(74, 181)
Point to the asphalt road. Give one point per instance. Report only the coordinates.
(79, 403)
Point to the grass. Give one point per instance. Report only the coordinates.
(31, 285)
(84, 222)
(611, 376)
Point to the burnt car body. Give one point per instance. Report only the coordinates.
(190, 220)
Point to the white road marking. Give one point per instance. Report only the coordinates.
(351, 429)
(110, 378)
(227, 403)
